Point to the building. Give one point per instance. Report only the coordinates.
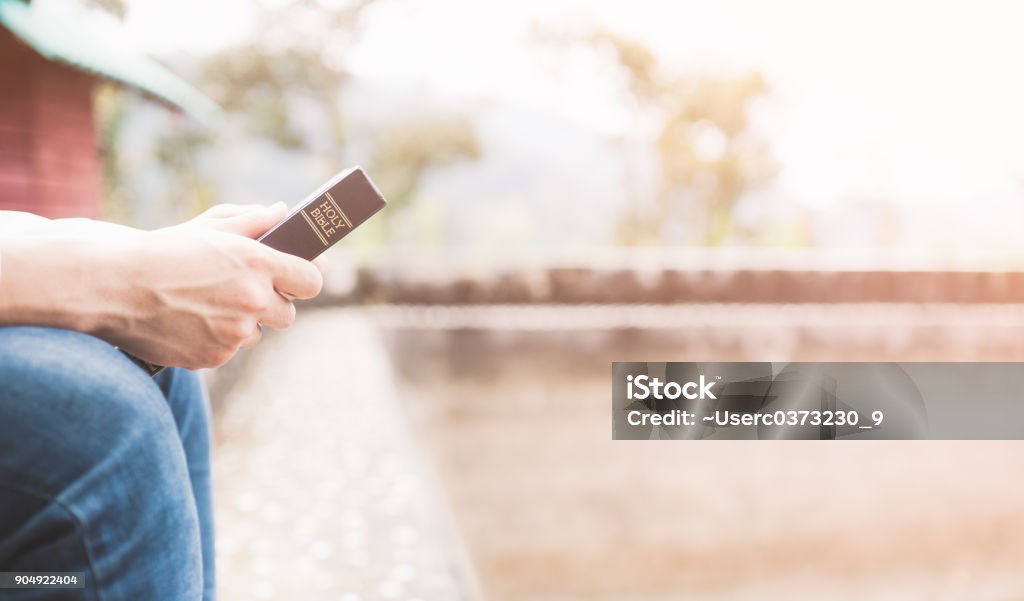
(50, 61)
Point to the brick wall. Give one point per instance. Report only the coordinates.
(49, 163)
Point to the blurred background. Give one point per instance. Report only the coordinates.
(571, 183)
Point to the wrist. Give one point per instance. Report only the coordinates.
(121, 299)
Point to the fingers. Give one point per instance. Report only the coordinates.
(226, 210)
(245, 220)
(280, 314)
(294, 277)
(253, 338)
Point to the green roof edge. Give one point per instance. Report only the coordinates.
(57, 37)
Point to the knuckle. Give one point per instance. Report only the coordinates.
(251, 299)
(238, 330)
(255, 258)
(257, 305)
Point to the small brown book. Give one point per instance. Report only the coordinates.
(324, 217)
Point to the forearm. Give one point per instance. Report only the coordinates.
(17, 223)
(63, 273)
(72, 282)
(13, 223)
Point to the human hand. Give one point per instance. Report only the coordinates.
(199, 291)
(228, 217)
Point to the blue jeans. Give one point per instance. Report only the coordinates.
(103, 471)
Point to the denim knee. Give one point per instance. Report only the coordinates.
(72, 400)
(86, 429)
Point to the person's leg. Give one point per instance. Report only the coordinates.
(93, 476)
(190, 406)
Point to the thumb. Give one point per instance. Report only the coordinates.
(251, 224)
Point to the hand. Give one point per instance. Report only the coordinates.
(201, 289)
(226, 217)
(243, 220)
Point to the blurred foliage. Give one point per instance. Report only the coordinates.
(708, 154)
(298, 65)
(408, 150)
(109, 112)
(188, 194)
(285, 84)
(296, 54)
(191, 193)
(260, 84)
(709, 157)
(116, 8)
(109, 109)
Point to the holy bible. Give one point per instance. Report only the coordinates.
(318, 222)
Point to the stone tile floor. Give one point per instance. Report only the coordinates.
(321, 491)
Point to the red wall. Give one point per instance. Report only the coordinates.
(49, 161)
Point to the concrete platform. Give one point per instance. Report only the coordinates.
(321, 490)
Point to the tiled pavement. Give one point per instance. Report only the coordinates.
(321, 491)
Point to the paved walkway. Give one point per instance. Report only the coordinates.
(321, 491)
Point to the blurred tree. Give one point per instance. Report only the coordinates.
(408, 150)
(297, 67)
(709, 157)
(109, 110)
(285, 85)
(176, 151)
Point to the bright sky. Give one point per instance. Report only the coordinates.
(916, 102)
